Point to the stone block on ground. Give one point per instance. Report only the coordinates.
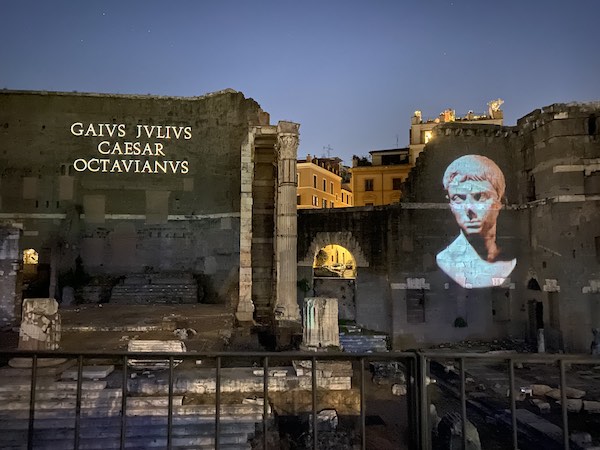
(89, 372)
(40, 326)
(592, 407)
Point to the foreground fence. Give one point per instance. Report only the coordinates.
(217, 420)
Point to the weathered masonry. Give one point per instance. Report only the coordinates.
(418, 279)
(126, 198)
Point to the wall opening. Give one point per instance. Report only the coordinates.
(334, 276)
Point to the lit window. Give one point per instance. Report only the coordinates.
(315, 200)
(427, 135)
(30, 256)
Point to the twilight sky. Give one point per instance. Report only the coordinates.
(350, 72)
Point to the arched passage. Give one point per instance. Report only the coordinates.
(334, 270)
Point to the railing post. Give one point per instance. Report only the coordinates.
(170, 412)
(463, 403)
(265, 399)
(32, 402)
(78, 401)
(124, 404)
(563, 403)
(314, 401)
(425, 443)
(362, 405)
(412, 402)
(218, 404)
(513, 406)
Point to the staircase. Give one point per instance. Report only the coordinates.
(141, 289)
(100, 421)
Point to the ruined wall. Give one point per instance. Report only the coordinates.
(128, 183)
(547, 225)
(561, 154)
(9, 265)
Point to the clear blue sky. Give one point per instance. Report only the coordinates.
(350, 72)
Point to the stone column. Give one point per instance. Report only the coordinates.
(40, 326)
(10, 257)
(320, 323)
(286, 234)
(245, 307)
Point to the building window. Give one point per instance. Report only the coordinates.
(369, 184)
(332, 204)
(369, 204)
(30, 256)
(315, 200)
(324, 203)
(324, 185)
(298, 199)
(415, 307)
(331, 187)
(315, 181)
(298, 179)
(342, 197)
(396, 183)
(426, 136)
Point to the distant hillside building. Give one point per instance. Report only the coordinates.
(421, 131)
(379, 182)
(321, 184)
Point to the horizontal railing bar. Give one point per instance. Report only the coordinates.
(195, 354)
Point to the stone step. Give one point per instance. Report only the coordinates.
(109, 402)
(205, 411)
(56, 394)
(113, 430)
(229, 424)
(203, 442)
(42, 384)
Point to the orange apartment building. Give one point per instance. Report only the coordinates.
(321, 184)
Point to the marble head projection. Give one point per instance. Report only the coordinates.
(475, 187)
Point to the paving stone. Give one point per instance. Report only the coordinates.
(89, 373)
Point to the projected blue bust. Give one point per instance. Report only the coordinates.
(475, 187)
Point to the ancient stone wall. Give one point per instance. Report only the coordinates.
(9, 275)
(547, 224)
(128, 183)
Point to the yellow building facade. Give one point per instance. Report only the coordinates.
(319, 184)
(381, 182)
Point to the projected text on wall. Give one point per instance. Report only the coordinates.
(140, 149)
(475, 188)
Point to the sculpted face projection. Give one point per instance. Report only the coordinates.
(475, 187)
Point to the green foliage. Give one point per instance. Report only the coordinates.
(321, 258)
(460, 322)
(303, 285)
(361, 161)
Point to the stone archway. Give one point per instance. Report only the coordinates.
(343, 287)
(341, 238)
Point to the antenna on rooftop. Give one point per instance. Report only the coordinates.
(328, 148)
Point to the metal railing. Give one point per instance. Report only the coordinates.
(417, 367)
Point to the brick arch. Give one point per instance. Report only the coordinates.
(341, 238)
